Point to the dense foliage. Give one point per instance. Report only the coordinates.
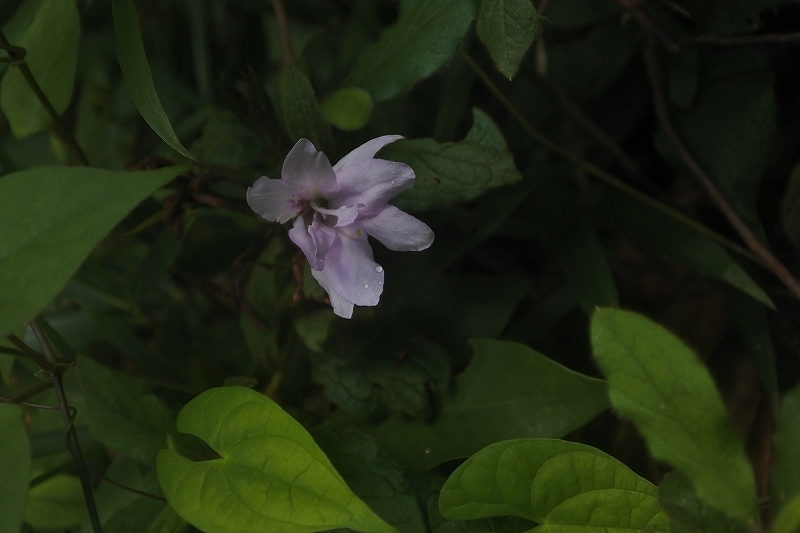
(582, 316)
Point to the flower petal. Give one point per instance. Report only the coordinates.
(341, 307)
(370, 184)
(314, 239)
(345, 215)
(397, 230)
(351, 271)
(274, 200)
(365, 151)
(309, 169)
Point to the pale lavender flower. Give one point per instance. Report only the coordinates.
(336, 207)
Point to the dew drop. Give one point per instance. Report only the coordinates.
(380, 283)
(366, 285)
(392, 182)
(378, 269)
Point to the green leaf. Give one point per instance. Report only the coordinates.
(790, 213)
(508, 391)
(15, 464)
(507, 28)
(226, 142)
(564, 486)
(145, 514)
(374, 479)
(159, 258)
(788, 520)
(688, 514)
(786, 469)
(122, 414)
(301, 110)
(453, 172)
(136, 71)
(425, 36)
(313, 328)
(52, 219)
(672, 239)
(56, 503)
(348, 109)
(659, 383)
(51, 43)
(271, 477)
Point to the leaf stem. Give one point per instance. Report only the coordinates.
(600, 174)
(73, 445)
(283, 29)
(16, 56)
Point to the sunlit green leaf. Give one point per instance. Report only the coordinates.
(424, 37)
(271, 475)
(51, 43)
(507, 28)
(348, 109)
(56, 503)
(788, 520)
(52, 219)
(658, 382)
(301, 110)
(453, 172)
(786, 470)
(122, 414)
(564, 486)
(136, 70)
(15, 465)
(508, 391)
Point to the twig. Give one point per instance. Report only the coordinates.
(20, 398)
(16, 58)
(602, 174)
(73, 445)
(283, 29)
(742, 40)
(744, 231)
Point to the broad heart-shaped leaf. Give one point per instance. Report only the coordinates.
(122, 414)
(659, 383)
(425, 36)
(564, 486)
(51, 44)
(453, 172)
(15, 465)
(786, 470)
(138, 78)
(688, 514)
(348, 109)
(301, 110)
(271, 475)
(52, 217)
(508, 391)
(507, 28)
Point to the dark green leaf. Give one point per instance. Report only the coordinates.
(564, 486)
(791, 207)
(348, 109)
(145, 514)
(122, 414)
(507, 28)
(507, 391)
(159, 257)
(56, 504)
(226, 142)
(15, 464)
(659, 383)
(425, 36)
(53, 218)
(786, 471)
(271, 477)
(301, 110)
(51, 43)
(688, 514)
(453, 172)
(136, 70)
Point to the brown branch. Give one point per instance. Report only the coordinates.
(744, 40)
(283, 29)
(744, 231)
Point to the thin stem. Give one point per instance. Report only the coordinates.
(744, 40)
(17, 59)
(73, 445)
(283, 29)
(744, 231)
(601, 174)
(20, 398)
(11, 351)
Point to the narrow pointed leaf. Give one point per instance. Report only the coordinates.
(15, 465)
(655, 380)
(52, 217)
(564, 486)
(138, 78)
(271, 476)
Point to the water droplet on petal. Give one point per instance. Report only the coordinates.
(392, 182)
(378, 269)
(366, 285)
(380, 283)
